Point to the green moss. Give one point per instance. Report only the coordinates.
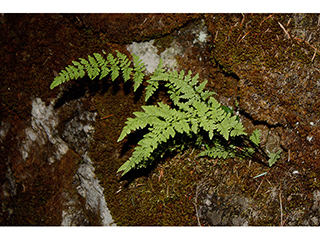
(165, 201)
(255, 41)
(144, 197)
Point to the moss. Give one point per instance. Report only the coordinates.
(163, 43)
(134, 201)
(255, 42)
(32, 52)
(128, 28)
(147, 197)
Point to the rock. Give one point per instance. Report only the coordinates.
(42, 146)
(225, 211)
(134, 27)
(267, 64)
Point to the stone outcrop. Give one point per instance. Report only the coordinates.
(42, 146)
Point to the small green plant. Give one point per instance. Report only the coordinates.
(193, 112)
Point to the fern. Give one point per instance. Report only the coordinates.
(255, 137)
(194, 110)
(98, 65)
(273, 157)
(138, 71)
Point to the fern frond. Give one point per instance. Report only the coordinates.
(218, 150)
(93, 70)
(206, 94)
(113, 61)
(237, 130)
(201, 87)
(194, 79)
(100, 59)
(153, 83)
(80, 68)
(150, 89)
(255, 137)
(138, 71)
(133, 124)
(193, 109)
(201, 108)
(273, 157)
(163, 123)
(97, 65)
(124, 66)
(57, 81)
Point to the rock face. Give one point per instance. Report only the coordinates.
(277, 93)
(77, 133)
(223, 204)
(126, 28)
(264, 65)
(276, 66)
(40, 143)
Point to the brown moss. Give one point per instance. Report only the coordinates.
(126, 28)
(163, 43)
(250, 47)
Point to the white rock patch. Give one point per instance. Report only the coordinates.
(42, 130)
(148, 54)
(44, 122)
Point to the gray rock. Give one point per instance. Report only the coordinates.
(76, 134)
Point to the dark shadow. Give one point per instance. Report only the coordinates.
(73, 90)
(78, 88)
(132, 140)
(183, 141)
(225, 70)
(159, 156)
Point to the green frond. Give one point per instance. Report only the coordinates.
(194, 79)
(126, 167)
(224, 128)
(124, 66)
(97, 65)
(80, 69)
(200, 88)
(155, 78)
(201, 108)
(237, 130)
(273, 157)
(84, 62)
(93, 70)
(203, 122)
(206, 94)
(150, 89)
(169, 132)
(100, 59)
(57, 81)
(193, 110)
(194, 125)
(255, 137)
(104, 71)
(138, 71)
(133, 124)
(217, 151)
